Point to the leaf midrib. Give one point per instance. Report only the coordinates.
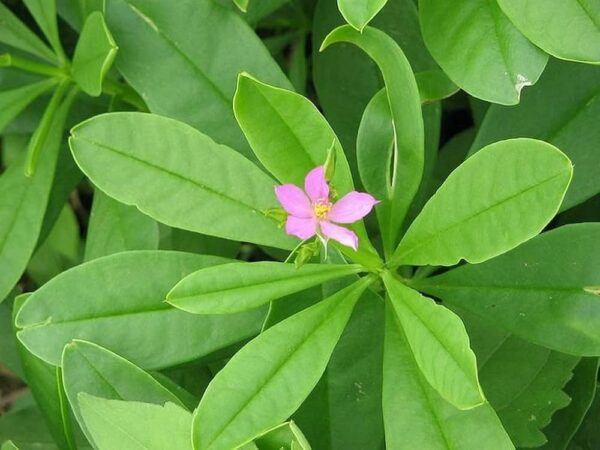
(175, 175)
(344, 270)
(161, 34)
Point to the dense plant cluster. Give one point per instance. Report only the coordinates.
(296, 224)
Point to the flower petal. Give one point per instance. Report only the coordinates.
(315, 184)
(294, 200)
(352, 207)
(342, 235)
(301, 227)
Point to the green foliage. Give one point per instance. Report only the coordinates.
(158, 289)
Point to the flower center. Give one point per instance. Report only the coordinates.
(321, 209)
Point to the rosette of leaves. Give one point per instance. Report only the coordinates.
(407, 342)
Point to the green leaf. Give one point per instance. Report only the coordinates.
(237, 287)
(115, 227)
(9, 445)
(94, 54)
(417, 417)
(359, 13)
(405, 106)
(225, 199)
(567, 29)
(15, 33)
(45, 382)
(118, 302)
(522, 381)
(285, 436)
(299, 137)
(545, 291)
(23, 205)
(13, 101)
(560, 112)
(434, 85)
(440, 344)
(267, 380)
(581, 388)
(44, 13)
(155, 41)
(116, 424)
(89, 368)
(497, 199)
(480, 49)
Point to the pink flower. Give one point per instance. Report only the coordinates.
(312, 212)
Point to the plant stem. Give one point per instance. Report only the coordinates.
(10, 60)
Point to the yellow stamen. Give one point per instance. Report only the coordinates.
(321, 209)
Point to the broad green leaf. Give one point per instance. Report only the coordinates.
(44, 13)
(480, 49)
(545, 291)
(59, 251)
(439, 343)
(405, 106)
(582, 389)
(23, 204)
(415, 415)
(434, 85)
(45, 382)
(359, 13)
(27, 430)
(89, 368)
(522, 381)
(156, 41)
(115, 227)
(237, 287)
(118, 302)
(346, 79)
(156, 169)
(497, 199)
(94, 54)
(267, 380)
(567, 29)
(117, 424)
(561, 112)
(13, 101)
(298, 137)
(9, 445)
(285, 436)
(15, 33)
